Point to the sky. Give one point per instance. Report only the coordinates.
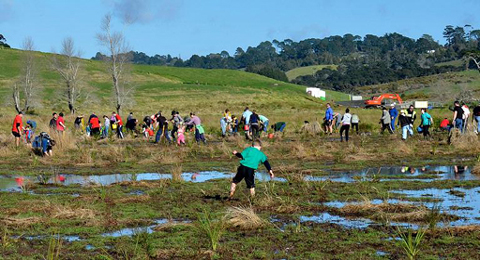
(186, 27)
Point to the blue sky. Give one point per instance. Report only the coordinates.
(186, 27)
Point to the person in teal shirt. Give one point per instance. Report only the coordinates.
(427, 121)
(250, 159)
(264, 121)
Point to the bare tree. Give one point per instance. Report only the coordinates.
(67, 64)
(474, 56)
(118, 58)
(24, 90)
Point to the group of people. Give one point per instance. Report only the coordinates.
(342, 122)
(172, 130)
(253, 124)
(406, 120)
(41, 144)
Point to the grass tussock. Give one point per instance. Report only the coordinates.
(398, 212)
(476, 168)
(20, 222)
(177, 171)
(468, 140)
(243, 218)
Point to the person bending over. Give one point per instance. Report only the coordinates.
(250, 159)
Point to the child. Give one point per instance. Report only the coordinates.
(251, 157)
(181, 134)
(28, 134)
(234, 124)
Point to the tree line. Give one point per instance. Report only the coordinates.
(362, 61)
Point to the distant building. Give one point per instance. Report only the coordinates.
(316, 92)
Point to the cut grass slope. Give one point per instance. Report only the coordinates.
(444, 87)
(308, 70)
(170, 86)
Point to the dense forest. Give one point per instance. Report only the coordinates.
(361, 61)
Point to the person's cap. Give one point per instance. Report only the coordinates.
(392, 105)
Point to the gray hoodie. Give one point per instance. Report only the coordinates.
(386, 117)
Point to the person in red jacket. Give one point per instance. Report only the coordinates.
(17, 128)
(445, 125)
(60, 124)
(94, 125)
(119, 122)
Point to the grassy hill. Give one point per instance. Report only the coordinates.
(308, 70)
(441, 88)
(208, 92)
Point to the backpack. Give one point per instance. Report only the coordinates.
(44, 135)
(37, 142)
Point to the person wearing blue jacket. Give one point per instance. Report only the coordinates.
(329, 119)
(393, 115)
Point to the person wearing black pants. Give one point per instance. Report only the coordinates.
(346, 121)
(427, 121)
(254, 125)
(345, 128)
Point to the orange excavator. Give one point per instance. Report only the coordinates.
(379, 101)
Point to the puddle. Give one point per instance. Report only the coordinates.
(350, 222)
(461, 173)
(466, 206)
(119, 233)
(66, 238)
(464, 203)
(10, 183)
(135, 230)
(326, 217)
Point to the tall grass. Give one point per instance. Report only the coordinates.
(411, 244)
(433, 216)
(54, 247)
(212, 228)
(177, 173)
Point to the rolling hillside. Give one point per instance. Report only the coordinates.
(440, 88)
(158, 87)
(308, 70)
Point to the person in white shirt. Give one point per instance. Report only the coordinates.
(466, 116)
(355, 122)
(346, 121)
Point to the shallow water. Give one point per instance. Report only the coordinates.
(8, 183)
(119, 233)
(403, 173)
(466, 207)
(326, 217)
(135, 230)
(350, 222)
